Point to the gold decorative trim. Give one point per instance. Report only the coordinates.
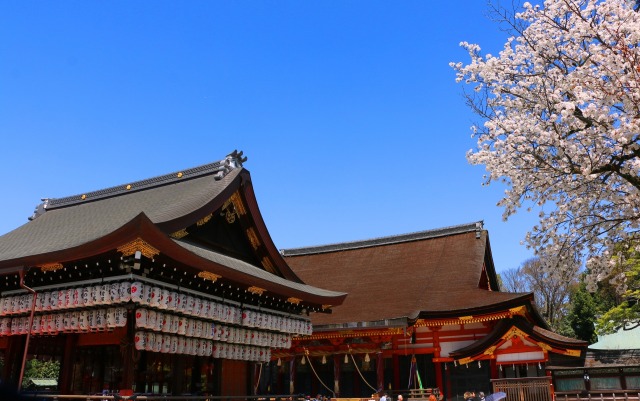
(490, 350)
(256, 290)
(453, 321)
(463, 318)
(83, 197)
(138, 245)
(266, 262)
(520, 310)
(514, 332)
(465, 361)
(228, 212)
(544, 346)
(253, 238)
(51, 267)
(327, 306)
(572, 352)
(128, 187)
(179, 175)
(179, 234)
(204, 220)
(209, 276)
(294, 300)
(237, 203)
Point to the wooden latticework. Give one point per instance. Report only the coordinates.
(524, 389)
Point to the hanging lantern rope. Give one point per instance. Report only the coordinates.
(255, 390)
(318, 377)
(360, 373)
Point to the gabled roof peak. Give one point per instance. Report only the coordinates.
(218, 169)
(395, 239)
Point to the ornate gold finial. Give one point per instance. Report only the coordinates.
(51, 267)
(83, 197)
(128, 187)
(293, 300)
(256, 290)
(253, 238)
(209, 276)
(179, 174)
(138, 244)
(204, 220)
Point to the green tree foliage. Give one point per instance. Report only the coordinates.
(586, 307)
(625, 276)
(38, 369)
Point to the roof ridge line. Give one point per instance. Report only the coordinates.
(387, 240)
(219, 169)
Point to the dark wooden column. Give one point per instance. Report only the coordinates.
(130, 356)
(396, 372)
(13, 360)
(70, 344)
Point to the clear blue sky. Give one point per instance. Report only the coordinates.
(348, 111)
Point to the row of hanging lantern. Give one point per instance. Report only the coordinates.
(175, 324)
(169, 344)
(82, 321)
(153, 297)
(190, 305)
(67, 298)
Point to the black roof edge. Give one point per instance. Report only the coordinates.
(219, 169)
(395, 239)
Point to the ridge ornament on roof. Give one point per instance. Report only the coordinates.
(218, 169)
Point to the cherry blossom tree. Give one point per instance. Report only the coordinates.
(560, 111)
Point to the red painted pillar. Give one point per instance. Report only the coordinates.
(494, 369)
(436, 354)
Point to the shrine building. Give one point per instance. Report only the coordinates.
(170, 285)
(424, 310)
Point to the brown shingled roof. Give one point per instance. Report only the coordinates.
(434, 273)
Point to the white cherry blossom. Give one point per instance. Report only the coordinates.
(560, 107)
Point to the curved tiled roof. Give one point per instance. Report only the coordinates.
(81, 222)
(246, 268)
(432, 273)
(85, 225)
